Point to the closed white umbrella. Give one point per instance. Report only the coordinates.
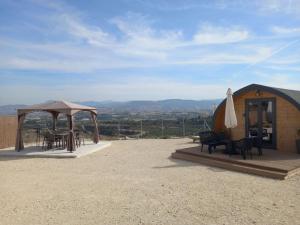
(230, 116)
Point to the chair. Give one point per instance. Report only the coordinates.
(48, 140)
(57, 139)
(79, 138)
(245, 146)
(61, 138)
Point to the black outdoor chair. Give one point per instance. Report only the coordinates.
(245, 146)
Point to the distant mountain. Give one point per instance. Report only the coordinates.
(169, 105)
(9, 109)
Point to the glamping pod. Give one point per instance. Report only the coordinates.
(267, 112)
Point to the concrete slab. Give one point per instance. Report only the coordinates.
(37, 151)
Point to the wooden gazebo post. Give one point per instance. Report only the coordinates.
(96, 131)
(71, 138)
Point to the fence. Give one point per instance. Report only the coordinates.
(110, 129)
(118, 129)
(152, 128)
(8, 131)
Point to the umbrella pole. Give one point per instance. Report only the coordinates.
(231, 150)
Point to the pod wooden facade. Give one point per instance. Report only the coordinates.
(272, 113)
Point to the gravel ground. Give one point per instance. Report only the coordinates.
(135, 182)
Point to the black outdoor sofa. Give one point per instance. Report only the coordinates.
(213, 139)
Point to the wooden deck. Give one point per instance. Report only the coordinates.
(272, 164)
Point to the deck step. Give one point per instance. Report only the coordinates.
(242, 163)
(230, 165)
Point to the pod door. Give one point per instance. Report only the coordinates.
(261, 120)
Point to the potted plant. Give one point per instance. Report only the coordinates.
(298, 141)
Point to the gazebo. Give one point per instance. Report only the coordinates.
(55, 108)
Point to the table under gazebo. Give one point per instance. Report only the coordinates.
(56, 108)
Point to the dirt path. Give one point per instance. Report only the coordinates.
(135, 182)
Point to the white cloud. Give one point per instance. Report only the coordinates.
(291, 59)
(279, 6)
(286, 30)
(93, 35)
(261, 7)
(142, 40)
(76, 46)
(283, 80)
(85, 48)
(277, 51)
(209, 34)
(173, 5)
(91, 48)
(249, 57)
(284, 68)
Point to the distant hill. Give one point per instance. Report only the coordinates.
(169, 105)
(9, 109)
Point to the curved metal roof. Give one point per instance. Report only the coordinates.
(291, 96)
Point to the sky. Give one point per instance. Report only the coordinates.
(124, 50)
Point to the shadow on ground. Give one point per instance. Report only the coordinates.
(177, 163)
